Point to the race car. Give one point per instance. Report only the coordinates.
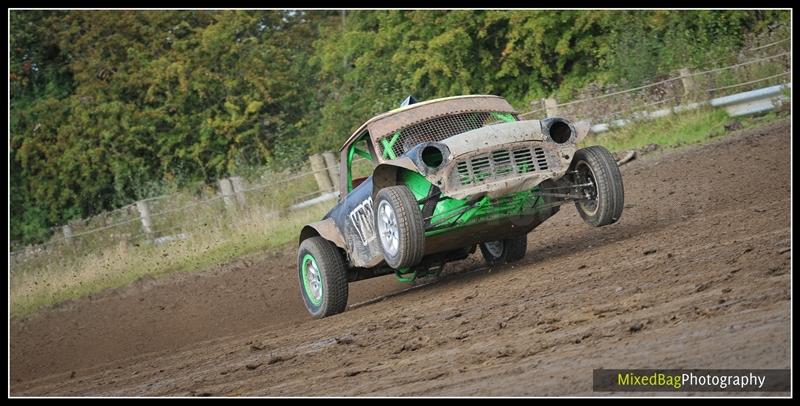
(449, 176)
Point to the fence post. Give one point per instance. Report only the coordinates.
(551, 107)
(67, 229)
(238, 189)
(318, 167)
(226, 190)
(689, 85)
(144, 215)
(333, 168)
(538, 105)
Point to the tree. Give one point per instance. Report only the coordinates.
(108, 107)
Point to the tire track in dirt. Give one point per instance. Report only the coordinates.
(167, 314)
(695, 275)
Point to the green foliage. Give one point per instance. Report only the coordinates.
(112, 106)
(657, 43)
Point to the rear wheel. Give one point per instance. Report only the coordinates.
(401, 232)
(504, 251)
(323, 277)
(603, 194)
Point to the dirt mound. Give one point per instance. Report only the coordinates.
(695, 275)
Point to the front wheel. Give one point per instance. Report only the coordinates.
(504, 251)
(401, 232)
(595, 169)
(323, 277)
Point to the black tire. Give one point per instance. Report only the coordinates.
(404, 246)
(332, 271)
(505, 251)
(608, 194)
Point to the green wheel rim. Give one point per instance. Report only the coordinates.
(312, 279)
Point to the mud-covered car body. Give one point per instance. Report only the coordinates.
(474, 167)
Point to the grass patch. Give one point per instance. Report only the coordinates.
(107, 259)
(58, 278)
(686, 128)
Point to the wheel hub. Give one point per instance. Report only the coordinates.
(313, 280)
(495, 248)
(387, 228)
(586, 176)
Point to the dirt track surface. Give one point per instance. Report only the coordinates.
(695, 275)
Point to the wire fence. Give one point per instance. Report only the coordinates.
(758, 66)
(182, 213)
(274, 193)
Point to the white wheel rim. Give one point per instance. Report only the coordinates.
(387, 228)
(495, 248)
